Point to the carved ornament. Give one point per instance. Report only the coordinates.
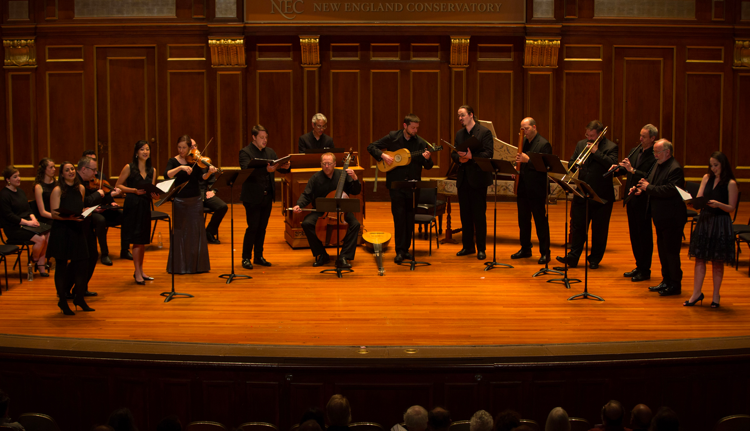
(227, 52)
(310, 51)
(19, 52)
(459, 51)
(741, 54)
(541, 53)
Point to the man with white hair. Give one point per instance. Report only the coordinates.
(316, 139)
(557, 420)
(481, 421)
(415, 419)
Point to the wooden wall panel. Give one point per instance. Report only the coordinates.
(742, 140)
(219, 398)
(66, 116)
(311, 94)
(549, 394)
(540, 94)
(135, 394)
(582, 102)
(506, 395)
(20, 118)
(187, 110)
(369, 400)
(274, 105)
(642, 102)
(344, 122)
(385, 90)
(462, 399)
(425, 101)
(230, 118)
(494, 90)
(262, 402)
(175, 398)
(459, 95)
(703, 119)
(302, 396)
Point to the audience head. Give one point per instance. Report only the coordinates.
(338, 410)
(46, 167)
(665, 420)
(439, 419)
(308, 425)
(104, 428)
(719, 165)
(481, 421)
(122, 420)
(613, 415)
(315, 414)
(4, 404)
(507, 420)
(640, 417)
(169, 423)
(415, 418)
(557, 420)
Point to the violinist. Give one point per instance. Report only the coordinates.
(210, 200)
(319, 186)
(190, 249)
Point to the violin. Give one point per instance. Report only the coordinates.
(194, 156)
(96, 184)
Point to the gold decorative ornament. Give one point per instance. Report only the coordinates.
(227, 52)
(310, 51)
(459, 51)
(541, 53)
(20, 52)
(741, 54)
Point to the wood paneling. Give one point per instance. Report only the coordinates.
(186, 52)
(494, 95)
(344, 123)
(494, 52)
(459, 95)
(507, 394)
(344, 51)
(230, 117)
(425, 101)
(582, 52)
(705, 54)
(176, 398)
(462, 399)
(274, 106)
(372, 399)
(187, 109)
(425, 51)
(66, 116)
(262, 402)
(219, 398)
(384, 51)
(742, 139)
(274, 51)
(21, 118)
(385, 91)
(582, 92)
(703, 118)
(539, 104)
(311, 93)
(64, 53)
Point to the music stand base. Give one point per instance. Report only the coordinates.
(413, 264)
(565, 280)
(170, 295)
(338, 271)
(231, 277)
(585, 295)
(492, 265)
(545, 271)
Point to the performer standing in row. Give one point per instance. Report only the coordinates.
(472, 184)
(669, 213)
(713, 237)
(639, 220)
(533, 187)
(211, 201)
(258, 195)
(318, 186)
(189, 253)
(316, 139)
(402, 200)
(603, 156)
(136, 227)
(45, 182)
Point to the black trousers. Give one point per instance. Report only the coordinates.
(641, 236)
(473, 205)
(599, 216)
(102, 222)
(220, 208)
(316, 245)
(257, 214)
(402, 209)
(70, 273)
(84, 269)
(528, 206)
(669, 243)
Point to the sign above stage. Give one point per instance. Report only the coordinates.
(398, 11)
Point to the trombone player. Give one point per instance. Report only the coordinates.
(602, 154)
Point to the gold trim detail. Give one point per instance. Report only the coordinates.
(459, 51)
(169, 52)
(62, 60)
(20, 52)
(687, 54)
(741, 54)
(226, 52)
(310, 51)
(541, 53)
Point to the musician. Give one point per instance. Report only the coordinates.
(533, 187)
(319, 186)
(472, 184)
(669, 213)
(637, 166)
(211, 201)
(257, 196)
(402, 200)
(316, 139)
(602, 156)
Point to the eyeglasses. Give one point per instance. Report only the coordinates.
(658, 152)
(91, 169)
(327, 164)
(323, 127)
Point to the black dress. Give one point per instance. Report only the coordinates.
(46, 192)
(136, 224)
(713, 237)
(14, 206)
(67, 240)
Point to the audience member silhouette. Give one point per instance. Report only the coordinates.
(439, 419)
(640, 417)
(339, 413)
(665, 420)
(557, 420)
(507, 420)
(481, 421)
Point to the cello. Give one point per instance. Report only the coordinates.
(325, 229)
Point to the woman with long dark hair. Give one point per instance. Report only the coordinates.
(44, 183)
(136, 225)
(713, 237)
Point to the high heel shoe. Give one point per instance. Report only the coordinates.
(41, 274)
(145, 278)
(63, 304)
(80, 302)
(715, 305)
(142, 282)
(690, 304)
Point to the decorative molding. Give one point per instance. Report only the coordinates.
(541, 53)
(741, 54)
(227, 52)
(310, 51)
(20, 53)
(459, 51)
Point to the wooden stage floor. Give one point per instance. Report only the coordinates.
(441, 310)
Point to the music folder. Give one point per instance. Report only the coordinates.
(39, 230)
(64, 212)
(697, 202)
(257, 163)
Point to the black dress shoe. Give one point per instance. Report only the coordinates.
(261, 261)
(126, 255)
(247, 264)
(399, 258)
(641, 276)
(212, 239)
(544, 259)
(567, 260)
(407, 256)
(631, 273)
(658, 287)
(321, 260)
(672, 289)
(106, 260)
(593, 265)
(342, 263)
(481, 255)
(464, 252)
(89, 293)
(520, 254)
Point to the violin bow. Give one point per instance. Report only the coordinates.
(204, 150)
(101, 175)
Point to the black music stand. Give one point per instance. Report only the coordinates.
(340, 205)
(589, 195)
(413, 186)
(547, 165)
(229, 179)
(169, 196)
(495, 166)
(568, 190)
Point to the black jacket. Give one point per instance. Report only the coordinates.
(470, 171)
(596, 166)
(532, 183)
(260, 180)
(396, 141)
(663, 198)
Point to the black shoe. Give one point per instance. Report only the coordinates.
(658, 287)
(80, 302)
(63, 304)
(89, 293)
(567, 260)
(69, 296)
(407, 256)
(342, 263)
(691, 304)
(212, 239)
(261, 261)
(126, 255)
(593, 265)
(481, 255)
(106, 260)
(641, 276)
(672, 289)
(464, 252)
(544, 259)
(247, 264)
(399, 258)
(632, 273)
(520, 254)
(322, 260)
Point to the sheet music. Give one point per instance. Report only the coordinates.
(164, 186)
(89, 211)
(683, 194)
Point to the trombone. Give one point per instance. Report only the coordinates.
(576, 166)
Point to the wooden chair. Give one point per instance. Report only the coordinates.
(37, 422)
(258, 426)
(21, 245)
(5, 250)
(366, 426)
(579, 424)
(459, 426)
(205, 426)
(733, 423)
(427, 200)
(156, 216)
(743, 237)
(531, 424)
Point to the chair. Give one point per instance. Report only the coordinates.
(439, 211)
(155, 217)
(531, 424)
(37, 422)
(579, 424)
(733, 423)
(21, 245)
(366, 426)
(459, 426)
(428, 199)
(205, 426)
(5, 250)
(258, 426)
(743, 237)
(206, 212)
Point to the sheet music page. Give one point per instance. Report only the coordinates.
(683, 194)
(89, 211)
(164, 186)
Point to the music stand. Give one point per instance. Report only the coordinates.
(568, 190)
(229, 179)
(169, 196)
(546, 165)
(413, 185)
(589, 195)
(503, 167)
(341, 205)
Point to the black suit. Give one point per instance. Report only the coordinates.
(472, 183)
(215, 204)
(669, 213)
(639, 220)
(533, 187)
(591, 172)
(308, 141)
